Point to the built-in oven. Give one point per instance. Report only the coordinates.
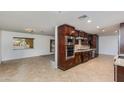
(69, 51)
(69, 44)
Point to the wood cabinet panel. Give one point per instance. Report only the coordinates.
(85, 56)
(81, 34)
(78, 58)
(63, 63)
(119, 73)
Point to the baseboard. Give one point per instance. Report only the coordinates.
(107, 54)
(5, 61)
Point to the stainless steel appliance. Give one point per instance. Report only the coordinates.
(69, 44)
(69, 52)
(69, 40)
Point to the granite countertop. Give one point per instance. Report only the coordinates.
(84, 50)
(119, 61)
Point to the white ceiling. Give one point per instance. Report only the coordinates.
(44, 22)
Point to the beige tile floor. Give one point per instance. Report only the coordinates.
(39, 69)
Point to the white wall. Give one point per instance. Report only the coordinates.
(56, 47)
(41, 46)
(0, 47)
(108, 45)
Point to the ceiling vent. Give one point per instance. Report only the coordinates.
(83, 17)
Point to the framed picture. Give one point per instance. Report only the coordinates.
(22, 43)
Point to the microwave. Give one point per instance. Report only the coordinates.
(69, 40)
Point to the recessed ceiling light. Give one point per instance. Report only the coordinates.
(103, 30)
(116, 31)
(28, 29)
(97, 27)
(89, 21)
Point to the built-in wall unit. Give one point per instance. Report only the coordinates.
(75, 46)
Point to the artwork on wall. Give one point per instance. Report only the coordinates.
(22, 43)
(52, 45)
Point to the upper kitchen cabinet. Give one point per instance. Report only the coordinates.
(67, 30)
(94, 40)
(84, 41)
(76, 35)
(85, 35)
(81, 34)
(121, 39)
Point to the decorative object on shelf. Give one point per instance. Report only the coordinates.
(22, 43)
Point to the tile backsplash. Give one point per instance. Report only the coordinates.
(81, 47)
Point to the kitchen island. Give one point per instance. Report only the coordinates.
(119, 69)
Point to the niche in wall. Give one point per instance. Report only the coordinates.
(52, 45)
(23, 43)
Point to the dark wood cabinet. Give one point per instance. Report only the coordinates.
(118, 73)
(76, 35)
(63, 63)
(94, 43)
(81, 34)
(86, 35)
(85, 40)
(85, 56)
(78, 58)
(81, 57)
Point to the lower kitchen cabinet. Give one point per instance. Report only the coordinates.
(78, 59)
(118, 73)
(90, 55)
(85, 56)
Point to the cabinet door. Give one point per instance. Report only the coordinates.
(120, 74)
(77, 58)
(90, 54)
(85, 56)
(115, 73)
(86, 35)
(81, 34)
(68, 31)
(70, 63)
(94, 41)
(76, 33)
